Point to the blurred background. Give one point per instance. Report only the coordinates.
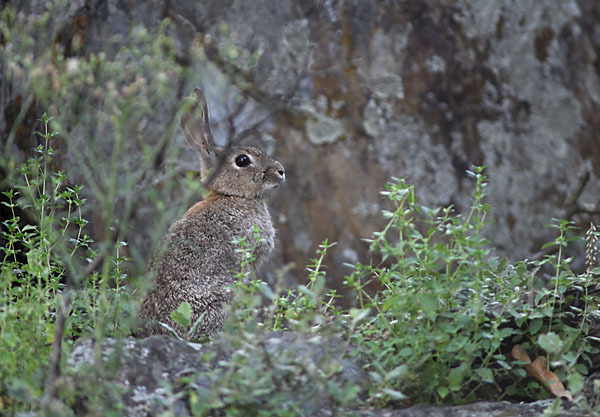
(346, 94)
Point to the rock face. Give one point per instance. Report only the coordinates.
(429, 88)
(359, 91)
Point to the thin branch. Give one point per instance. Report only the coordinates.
(94, 264)
(64, 308)
(240, 77)
(231, 119)
(586, 209)
(572, 208)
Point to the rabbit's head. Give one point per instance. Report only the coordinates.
(246, 172)
(237, 171)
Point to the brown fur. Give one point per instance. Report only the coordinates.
(198, 254)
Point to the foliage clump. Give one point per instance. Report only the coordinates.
(44, 274)
(449, 311)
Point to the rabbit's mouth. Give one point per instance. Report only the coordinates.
(270, 184)
(274, 181)
(272, 178)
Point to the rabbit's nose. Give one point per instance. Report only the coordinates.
(279, 170)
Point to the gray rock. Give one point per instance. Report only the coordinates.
(157, 374)
(279, 370)
(481, 409)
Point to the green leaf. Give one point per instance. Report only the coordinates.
(548, 311)
(503, 364)
(405, 352)
(486, 374)
(359, 314)
(550, 342)
(430, 304)
(535, 325)
(581, 368)
(575, 382)
(376, 377)
(192, 331)
(397, 372)
(394, 395)
(456, 376)
(547, 245)
(172, 330)
(183, 315)
(443, 392)
(456, 344)
(389, 303)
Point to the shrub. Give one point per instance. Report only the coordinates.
(46, 273)
(449, 311)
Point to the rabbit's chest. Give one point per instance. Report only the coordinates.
(265, 244)
(247, 220)
(259, 237)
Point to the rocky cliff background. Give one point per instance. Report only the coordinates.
(347, 94)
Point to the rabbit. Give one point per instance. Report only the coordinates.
(198, 254)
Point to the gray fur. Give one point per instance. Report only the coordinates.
(198, 254)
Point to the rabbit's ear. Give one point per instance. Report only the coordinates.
(196, 129)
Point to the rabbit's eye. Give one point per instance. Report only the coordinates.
(242, 160)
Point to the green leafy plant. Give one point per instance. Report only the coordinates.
(257, 304)
(308, 306)
(42, 275)
(273, 374)
(442, 327)
(449, 310)
(182, 315)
